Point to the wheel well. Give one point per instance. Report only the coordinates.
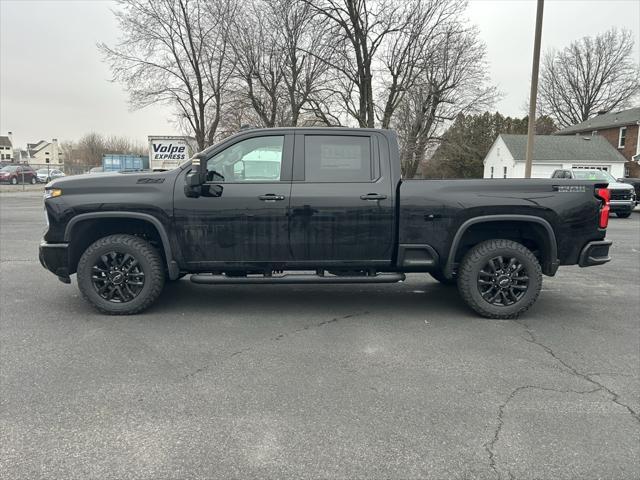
(88, 231)
(532, 235)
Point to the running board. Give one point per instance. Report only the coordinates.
(299, 278)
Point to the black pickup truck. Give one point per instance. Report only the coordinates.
(326, 205)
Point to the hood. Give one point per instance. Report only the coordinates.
(112, 182)
(620, 186)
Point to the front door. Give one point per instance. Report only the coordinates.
(243, 220)
(342, 208)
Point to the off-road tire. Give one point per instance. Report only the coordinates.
(624, 215)
(478, 257)
(148, 258)
(439, 276)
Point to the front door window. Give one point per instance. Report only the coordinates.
(257, 159)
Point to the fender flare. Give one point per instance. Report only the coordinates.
(549, 268)
(172, 265)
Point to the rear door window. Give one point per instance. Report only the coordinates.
(339, 158)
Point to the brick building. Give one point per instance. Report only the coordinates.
(620, 129)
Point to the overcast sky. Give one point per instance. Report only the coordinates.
(53, 83)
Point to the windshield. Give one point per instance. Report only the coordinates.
(44, 170)
(593, 175)
(8, 169)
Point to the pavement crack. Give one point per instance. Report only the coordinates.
(193, 373)
(240, 352)
(490, 445)
(615, 397)
(318, 325)
(276, 338)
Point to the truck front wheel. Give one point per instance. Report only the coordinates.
(120, 274)
(500, 279)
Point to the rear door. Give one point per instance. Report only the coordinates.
(342, 203)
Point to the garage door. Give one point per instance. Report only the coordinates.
(606, 168)
(544, 171)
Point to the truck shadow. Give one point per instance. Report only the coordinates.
(418, 297)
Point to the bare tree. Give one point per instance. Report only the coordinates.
(176, 52)
(300, 32)
(406, 53)
(278, 76)
(91, 147)
(124, 145)
(590, 75)
(358, 28)
(453, 81)
(259, 62)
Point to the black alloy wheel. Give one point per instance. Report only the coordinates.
(499, 278)
(117, 277)
(121, 274)
(503, 281)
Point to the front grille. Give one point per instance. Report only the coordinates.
(620, 194)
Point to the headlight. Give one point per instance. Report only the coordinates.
(52, 193)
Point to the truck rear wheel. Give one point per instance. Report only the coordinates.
(120, 274)
(500, 279)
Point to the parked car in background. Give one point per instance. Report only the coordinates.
(45, 175)
(623, 195)
(635, 182)
(15, 174)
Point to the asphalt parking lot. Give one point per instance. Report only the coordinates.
(348, 381)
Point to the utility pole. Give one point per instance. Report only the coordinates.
(534, 90)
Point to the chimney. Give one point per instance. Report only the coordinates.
(10, 135)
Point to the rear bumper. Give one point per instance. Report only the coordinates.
(55, 258)
(595, 253)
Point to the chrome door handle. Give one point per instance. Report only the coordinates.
(270, 197)
(372, 196)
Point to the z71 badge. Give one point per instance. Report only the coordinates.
(150, 180)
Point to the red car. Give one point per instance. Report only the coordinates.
(15, 174)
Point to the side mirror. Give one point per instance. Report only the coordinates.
(195, 178)
(192, 185)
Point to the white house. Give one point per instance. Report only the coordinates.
(45, 153)
(6, 148)
(506, 157)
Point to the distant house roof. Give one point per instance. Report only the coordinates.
(5, 141)
(607, 120)
(553, 148)
(35, 147)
